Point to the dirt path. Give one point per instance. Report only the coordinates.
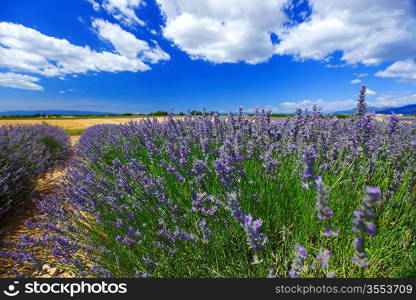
(14, 226)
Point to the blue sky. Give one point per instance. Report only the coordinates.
(147, 55)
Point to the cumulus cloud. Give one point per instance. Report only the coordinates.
(355, 81)
(127, 44)
(326, 106)
(393, 100)
(19, 81)
(404, 70)
(386, 100)
(27, 50)
(365, 31)
(223, 31)
(123, 10)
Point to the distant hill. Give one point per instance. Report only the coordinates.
(354, 110)
(405, 110)
(52, 112)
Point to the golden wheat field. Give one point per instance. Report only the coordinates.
(73, 123)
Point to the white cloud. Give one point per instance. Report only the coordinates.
(370, 92)
(359, 75)
(19, 81)
(355, 81)
(393, 100)
(223, 31)
(335, 66)
(27, 50)
(366, 31)
(68, 90)
(127, 44)
(122, 10)
(326, 106)
(405, 70)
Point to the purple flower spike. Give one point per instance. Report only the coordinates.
(255, 238)
(147, 260)
(363, 224)
(309, 157)
(393, 124)
(360, 257)
(364, 216)
(128, 241)
(323, 256)
(298, 263)
(322, 207)
(362, 105)
(206, 232)
(205, 204)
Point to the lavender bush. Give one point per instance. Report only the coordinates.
(214, 196)
(95, 141)
(27, 152)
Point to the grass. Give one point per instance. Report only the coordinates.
(74, 132)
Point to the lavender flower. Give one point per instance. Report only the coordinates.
(364, 216)
(362, 105)
(393, 123)
(360, 256)
(362, 221)
(147, 259)
(205, 204)
(234, 206)
(298, 263)
(322, 207)
(206, 232)
(309, 157)
(128, 241)
(323, 256)
(255, 238)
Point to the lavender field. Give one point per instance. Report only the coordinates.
(208, 196)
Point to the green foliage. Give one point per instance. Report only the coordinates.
(73, 132)
(159, 113)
